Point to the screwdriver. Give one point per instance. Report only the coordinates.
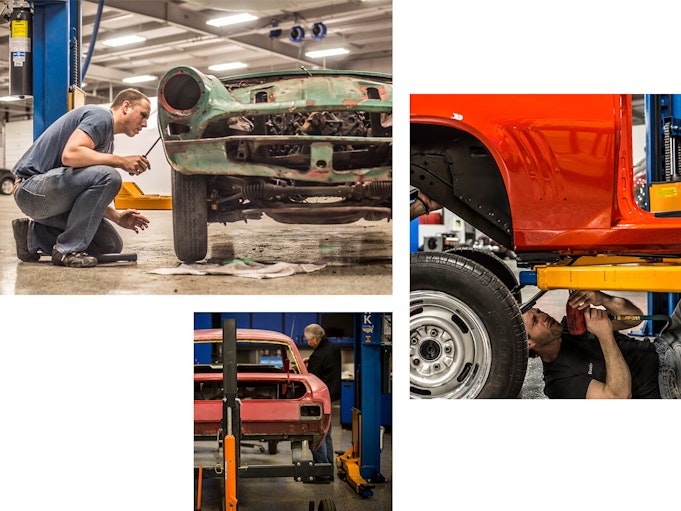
(642, 317)
(147, 153)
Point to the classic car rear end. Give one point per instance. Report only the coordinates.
(298, 146)
(280, 400)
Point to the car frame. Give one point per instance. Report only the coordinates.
(303, 147)
(278, 401)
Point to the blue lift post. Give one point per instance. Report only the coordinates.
(663, 118)
(56, 59)
(370, 350)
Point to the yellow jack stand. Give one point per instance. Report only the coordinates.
(349, 463)
(131, 196)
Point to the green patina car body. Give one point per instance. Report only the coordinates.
(298, 146)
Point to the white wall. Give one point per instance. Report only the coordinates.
(157, 179)
(18, 136)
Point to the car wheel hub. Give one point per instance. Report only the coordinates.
(450, 350)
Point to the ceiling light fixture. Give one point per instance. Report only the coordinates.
(231, 20)
(326, 53)
(227, 66)
(296, 34)
(140, 79)
(318, 31)
(10, 98)
(122, 41)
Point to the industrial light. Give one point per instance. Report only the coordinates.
(326, 53)
(122, 41)
(318, 31)
(140, 79)
(10, 98)
(227, 65)
(231, 20)
(296, 34)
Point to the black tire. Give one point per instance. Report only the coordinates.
(190, 217)
(272, 446)
(468, 338)
(494, 264)
(326, 504)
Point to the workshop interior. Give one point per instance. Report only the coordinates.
(259, 413)
(233, 171)
(267, 186)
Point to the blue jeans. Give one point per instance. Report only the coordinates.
(325, 454)
(67, 206)
(668, 346)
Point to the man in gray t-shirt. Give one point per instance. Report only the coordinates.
(67, 179)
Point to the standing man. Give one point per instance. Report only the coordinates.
(325, 363)
(67, 180)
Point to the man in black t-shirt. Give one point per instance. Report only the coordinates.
(325, 363)
(602, 363)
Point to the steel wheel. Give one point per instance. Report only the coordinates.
(6, 186)
(467, 338)
(450, 351)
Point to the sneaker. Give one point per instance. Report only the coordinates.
(73, 260)
(20, 228)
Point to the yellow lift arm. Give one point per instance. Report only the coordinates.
(611, 273)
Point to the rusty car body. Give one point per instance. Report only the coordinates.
(298, 146)
(280, 400)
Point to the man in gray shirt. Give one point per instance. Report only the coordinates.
(67, 180)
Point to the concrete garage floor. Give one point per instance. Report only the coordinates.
(285, 494)
(553, 303)
(358, 258)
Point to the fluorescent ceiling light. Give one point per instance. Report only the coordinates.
(231, 20)
(326, 53)
(140, 79)
(227, 65)
(122, 41)
(10, 98)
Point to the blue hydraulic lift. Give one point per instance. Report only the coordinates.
(361, 463)
(56, 59)
(663, 164)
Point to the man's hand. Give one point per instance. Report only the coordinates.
(132, 219)
(584, 299)
(615, 305)
(135, 164)
(597, 322)
(422, 205)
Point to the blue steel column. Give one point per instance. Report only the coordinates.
(657, 108)
(370, 393)
(55, 23)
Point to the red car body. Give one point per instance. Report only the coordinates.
(275, 404)
(564, 163)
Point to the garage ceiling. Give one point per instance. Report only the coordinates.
(176, 32)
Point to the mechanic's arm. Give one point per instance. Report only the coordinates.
(422, 205)
(128, 218)
(617, 383)
(615, 305)
(80, 152)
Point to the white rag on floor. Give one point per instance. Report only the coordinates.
(241, 268)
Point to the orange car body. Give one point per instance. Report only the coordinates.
(566, 166)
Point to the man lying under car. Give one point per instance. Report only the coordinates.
(602, 362)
